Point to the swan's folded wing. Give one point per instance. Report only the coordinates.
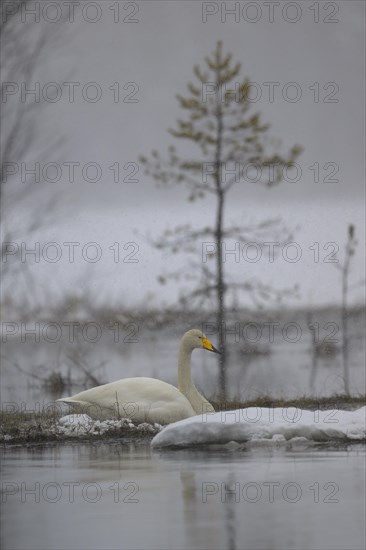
(140, 399)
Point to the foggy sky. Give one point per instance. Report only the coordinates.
(157, 54)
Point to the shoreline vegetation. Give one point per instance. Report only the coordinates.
(23, 428)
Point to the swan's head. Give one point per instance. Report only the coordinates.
(194, 338)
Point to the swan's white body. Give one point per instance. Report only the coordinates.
(148, 399)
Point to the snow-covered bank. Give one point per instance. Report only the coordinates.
(264, 424)
(35, 429)
(81, 424)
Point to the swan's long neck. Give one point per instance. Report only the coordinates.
(185, 384)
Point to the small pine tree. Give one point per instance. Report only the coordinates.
(220, 123)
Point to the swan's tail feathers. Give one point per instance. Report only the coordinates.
(94, 410)
(68, 400)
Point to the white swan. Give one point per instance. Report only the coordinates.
(148, 399)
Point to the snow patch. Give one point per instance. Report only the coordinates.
(256, 424)
(82, 424)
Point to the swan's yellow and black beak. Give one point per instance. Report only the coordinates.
(207, 345)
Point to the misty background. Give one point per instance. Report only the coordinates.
(149, 59)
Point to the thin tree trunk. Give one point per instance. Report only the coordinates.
(220, 271)
(314, 359)
(345, 328)
(221, 299)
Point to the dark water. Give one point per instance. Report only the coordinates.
(125, 496)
